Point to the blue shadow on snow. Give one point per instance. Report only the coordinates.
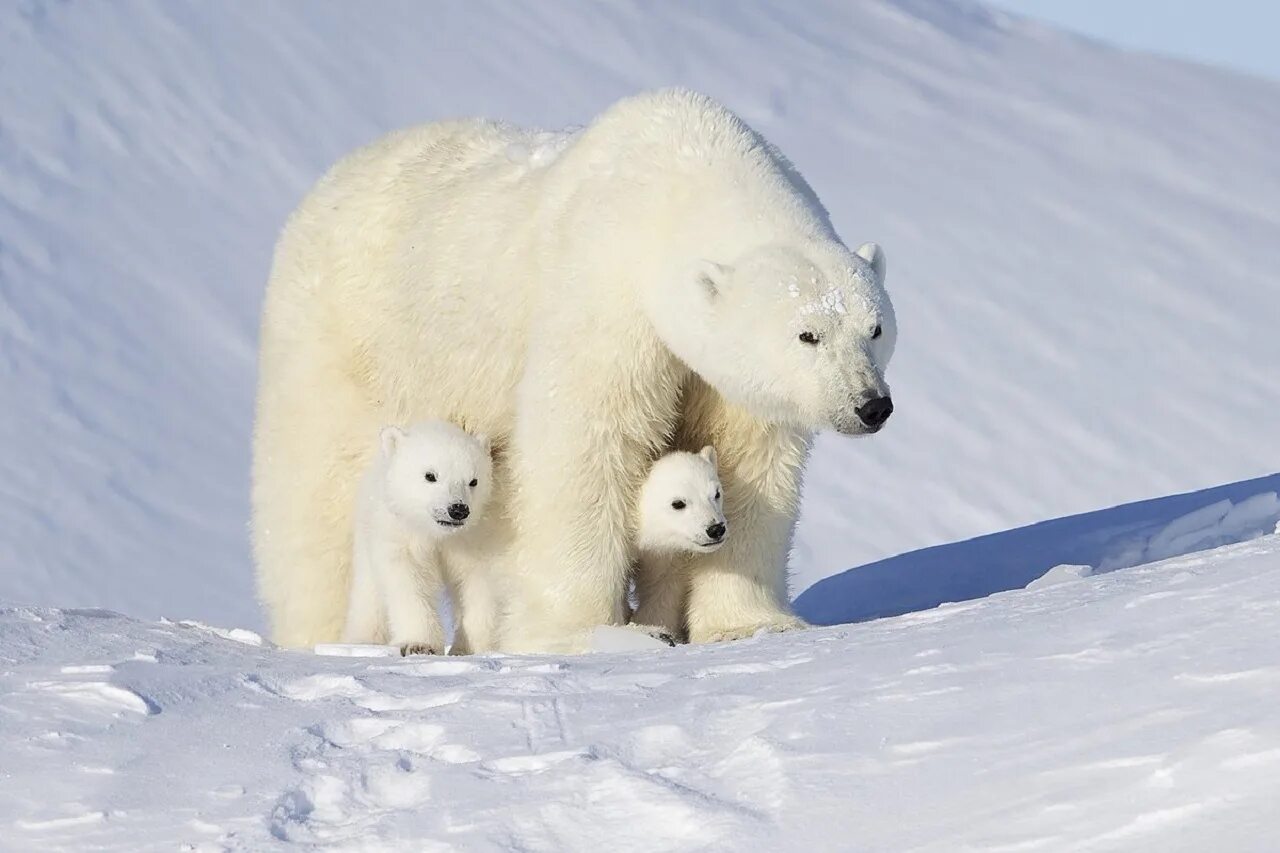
(1011, 559)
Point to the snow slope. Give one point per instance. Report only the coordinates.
(1130, 711)
(1082, 247)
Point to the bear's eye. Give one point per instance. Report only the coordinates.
(474, 483)
(717, 497)
(809, 338)
(677, 504)
(431, 477)
(878, 331)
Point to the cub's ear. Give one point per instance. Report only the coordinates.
(390, 437)
(708, 453)
(711, 278)
(484, 441)
(874, 255)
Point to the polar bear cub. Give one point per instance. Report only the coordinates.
(681, 513)
(425, 485)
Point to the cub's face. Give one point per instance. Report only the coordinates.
(437, 477)
(795, 335)
(681, 505)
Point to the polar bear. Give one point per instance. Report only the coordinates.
(681, 514)
(662, 279)
(427, 484)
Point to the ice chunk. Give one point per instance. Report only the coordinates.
(1061, 574)
(1212, 526)
(613, 638)
(1199, 519)
(356, 650)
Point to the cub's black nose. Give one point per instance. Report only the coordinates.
(459, 511)
(875, 412)
(716, 531)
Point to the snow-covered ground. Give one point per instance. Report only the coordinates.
(1130, 711)
(1082, 249)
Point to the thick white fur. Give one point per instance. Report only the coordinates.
(680, 504)
(631, 289)
(404, 531)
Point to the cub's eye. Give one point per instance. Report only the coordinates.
(677, 504)
(809, 338)
(717, 497)
(877, 332)
(474, 483)
(431, 477)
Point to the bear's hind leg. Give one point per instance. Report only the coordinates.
(598, 399)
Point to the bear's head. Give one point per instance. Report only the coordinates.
(800, 335)
(680, 504)
(437, 477)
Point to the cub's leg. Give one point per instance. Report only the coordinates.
(411, 584)
(662, 588)
(476, 608)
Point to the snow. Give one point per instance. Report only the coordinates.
(356, 650)
(1130, 710)
(607, 638)
(1217, 524)
(541, 148)
(1061, 574)
(1027, 650)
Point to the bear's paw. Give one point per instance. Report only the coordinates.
(416, 648)
(658, 632)
(773, 625)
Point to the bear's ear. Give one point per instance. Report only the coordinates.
(708, 453)
(711, 278)
(484, 441)
(874, 255)
(390, 437)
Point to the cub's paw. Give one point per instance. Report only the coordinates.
(773, 625)
(416, 648)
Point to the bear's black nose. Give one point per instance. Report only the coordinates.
(459, 511)
(875, 412)
(716, 531)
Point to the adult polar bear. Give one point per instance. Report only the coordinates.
(662, 279)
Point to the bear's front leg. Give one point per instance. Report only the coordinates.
(366, 622)
(594, 406)
(741, 589)
(572, 552)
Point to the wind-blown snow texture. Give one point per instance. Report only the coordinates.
(1131, 711)
(1083, 251)
(1081, 241)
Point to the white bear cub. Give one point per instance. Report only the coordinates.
(426, 484)
(681, 514)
